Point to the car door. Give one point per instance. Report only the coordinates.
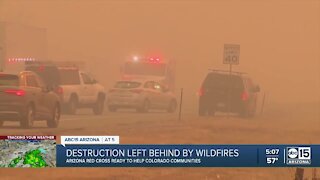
(93, 89)
(166, 96)
(236, 92)
(48, 97)
(160, 95)
(87, 89)
(151, 93)
(252, 95)
(36, 94)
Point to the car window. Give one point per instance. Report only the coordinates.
(49, 74)
(249, 83)
(222, 81)
(69, 76)
(32, 81)
(238, 83)
(9, 80)
(40, 82)
(86, 79)
(215, 80)
(23, 79)
(149, 85)
(127, 84)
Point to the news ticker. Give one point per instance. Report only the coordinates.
(106, 151)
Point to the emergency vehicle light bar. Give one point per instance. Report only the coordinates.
(57, 63)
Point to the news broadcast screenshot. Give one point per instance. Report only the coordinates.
(160, 89)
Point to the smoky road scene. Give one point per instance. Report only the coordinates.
(161, 72)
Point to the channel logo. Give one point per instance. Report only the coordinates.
(298, 155)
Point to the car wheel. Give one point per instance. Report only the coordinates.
(112, 109)
(211, 112)
(72, 106)
(244, 113)
(53, 122)
(28, 117)
(251, 114)
(172, 106)
(145, 106)
(254, 109)
(202, 110)
(98, 107)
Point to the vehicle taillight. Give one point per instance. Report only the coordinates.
(41, 68)
(16, 92)
(136, 91)
(201, 92)
(112, 90)
(244, 96)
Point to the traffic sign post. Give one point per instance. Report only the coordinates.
(231, 56)
(1, 60)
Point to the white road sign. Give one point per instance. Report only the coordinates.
(231, 54)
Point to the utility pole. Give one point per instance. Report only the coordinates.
(1, 10)
(1, 60)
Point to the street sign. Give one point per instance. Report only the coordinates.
(1, 60)
(231, 54)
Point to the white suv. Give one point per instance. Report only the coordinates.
(141, 95)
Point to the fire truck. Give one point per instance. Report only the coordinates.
(152, 68)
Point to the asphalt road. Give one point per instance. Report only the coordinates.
(297, 124)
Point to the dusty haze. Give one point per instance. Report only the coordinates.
(280, 40)
(280, 49)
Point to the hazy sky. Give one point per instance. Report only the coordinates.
(280, 40)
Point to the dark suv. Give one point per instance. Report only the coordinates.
(228, 92)
(25, 98)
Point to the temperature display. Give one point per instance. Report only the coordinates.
(272, 155)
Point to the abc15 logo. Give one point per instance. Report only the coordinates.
(300, 153)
